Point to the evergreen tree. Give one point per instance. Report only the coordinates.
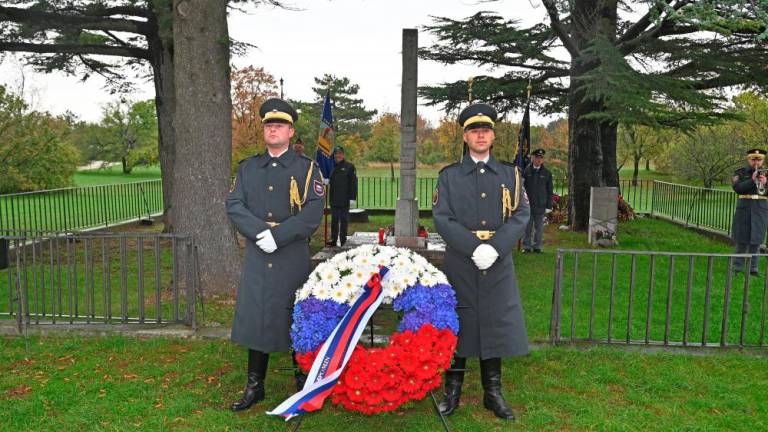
(650, 62)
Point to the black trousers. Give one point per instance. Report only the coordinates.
(339, 222)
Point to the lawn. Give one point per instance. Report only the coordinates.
(114, 174)
(116, 383)
(123, 384)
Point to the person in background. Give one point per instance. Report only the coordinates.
(750, 219)
(298, 147)
(343, 194)
(538, 184)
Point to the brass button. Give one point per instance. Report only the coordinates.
(482, 223)
(269, 214)
(269, 265)
(485, 272)
(274, 164)
(482, 195)
(482, 170)
(271, 188)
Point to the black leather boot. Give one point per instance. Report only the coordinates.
(254, 388)
(490, 372)
(301, 377)
(453, 381)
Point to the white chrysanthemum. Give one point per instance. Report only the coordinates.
(340, 294)
(304, 292)
(402, 261)
(420, 261)
(440, 278)
(427, 279)
(329, 275)
(322, 291)
(345, 265)
(362, 274)
(364, 260)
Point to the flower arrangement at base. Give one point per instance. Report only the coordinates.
(380, 379)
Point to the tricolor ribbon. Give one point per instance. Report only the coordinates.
(335, 352)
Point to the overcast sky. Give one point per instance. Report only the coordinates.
(359, 39)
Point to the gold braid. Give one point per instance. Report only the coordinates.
(296, 198)
(508, 207)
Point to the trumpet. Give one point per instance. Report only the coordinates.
(761, 190)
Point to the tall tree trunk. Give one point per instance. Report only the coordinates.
(160, 44)
(636, 170)
(591, 144)
(647, 164)
(203, 138)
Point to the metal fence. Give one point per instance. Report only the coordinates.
(78, 208)
(694, 206)
(638, 194)
(657, 298)
(382, 192)
(50, 278)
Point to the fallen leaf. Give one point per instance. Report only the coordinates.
(19, 391)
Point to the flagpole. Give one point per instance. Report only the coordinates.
(520, 155)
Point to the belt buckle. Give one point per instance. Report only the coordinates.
(483, 235)
(272, 224)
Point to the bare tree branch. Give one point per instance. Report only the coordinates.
(559, 28)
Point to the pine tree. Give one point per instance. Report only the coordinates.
(650, 62)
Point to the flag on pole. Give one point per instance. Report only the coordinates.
(524, 139)
(323, 155)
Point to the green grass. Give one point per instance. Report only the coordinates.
(114, 174)
(128, 384)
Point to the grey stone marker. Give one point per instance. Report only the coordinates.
(407, 208)
(603, 216)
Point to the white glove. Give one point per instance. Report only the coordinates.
(326, 181)
(352, 203)
(484, 256)
(266, 242)
(547, 211)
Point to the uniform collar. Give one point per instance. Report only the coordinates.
(285, 159)
(468, 165)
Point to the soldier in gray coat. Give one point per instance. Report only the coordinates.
(276, 203)
(750, 219)
(538, 185)
(480, 210)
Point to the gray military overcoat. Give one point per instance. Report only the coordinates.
(469, 198)
(750, 220)
(260, 195)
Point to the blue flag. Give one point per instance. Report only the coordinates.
(524, 139)
(323, 156)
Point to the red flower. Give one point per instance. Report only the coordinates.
(391, 394)
(375, 381)
(426, 370)
(411, 384)
(354, 377)
(356, 395)
(373, 398)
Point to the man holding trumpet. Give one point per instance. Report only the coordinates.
(750, 219)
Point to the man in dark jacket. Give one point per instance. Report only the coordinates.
(343, 194)
(480, 210)
(276, 203)
(538, 186)
(750, 219)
